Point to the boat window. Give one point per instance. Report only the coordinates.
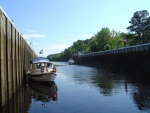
(42, 64)
(45, 64)
(49, 65)
(38, 66)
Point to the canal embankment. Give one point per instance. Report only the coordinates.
(132, 58)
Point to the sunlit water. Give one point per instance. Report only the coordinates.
(81, 89)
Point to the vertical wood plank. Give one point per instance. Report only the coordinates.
(3, 60)
(0, 58)
(13, 59)
(19, 75)
(8, 56)
(16, 59)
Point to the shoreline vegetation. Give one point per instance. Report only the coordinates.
(138, 33)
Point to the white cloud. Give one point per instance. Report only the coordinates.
(58, 47)
(34, 36)
(31, 31)
(32, 43)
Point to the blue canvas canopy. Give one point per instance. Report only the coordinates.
(39, 59)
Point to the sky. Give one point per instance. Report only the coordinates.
(54, 25)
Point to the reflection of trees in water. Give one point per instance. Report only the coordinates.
(104, 79)
(142, 97)
(139, 89)
(106, 84)
(82, 75)
(111, 81)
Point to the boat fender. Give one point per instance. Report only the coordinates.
(54, 69)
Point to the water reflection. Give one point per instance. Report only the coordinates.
(21, 101)
(135, 85)
(141, 97)
(112, 83)
(109, 82)
(43, 92)
(105, 90)
(105, 80)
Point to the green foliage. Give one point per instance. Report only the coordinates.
(107, 47)
(105, 39)
(79, 46)
(94, 45)
(140, 24)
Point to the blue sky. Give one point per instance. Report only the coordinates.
(53, 25)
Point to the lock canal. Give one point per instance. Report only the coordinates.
(83, 89)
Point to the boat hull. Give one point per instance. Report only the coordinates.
(70, 62)
(45, 77)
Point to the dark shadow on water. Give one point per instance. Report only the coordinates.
(107, 79)
(44, 92)
(133, 75)
(21, 100)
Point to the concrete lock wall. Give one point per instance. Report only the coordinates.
(132, 58)
(15, 55)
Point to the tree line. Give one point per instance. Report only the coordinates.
(138, 33)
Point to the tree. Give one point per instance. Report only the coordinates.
(116, 42)
(137, 24)
(107, 47)
(94, 45)
(147, 29)
(103, 37)
(79, 46)
(67, 53)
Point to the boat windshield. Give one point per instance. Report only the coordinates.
(40, 59)
(39, 65)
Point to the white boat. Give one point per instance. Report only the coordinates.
(71, 61)
(42, 70)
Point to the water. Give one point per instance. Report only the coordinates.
(81, 89)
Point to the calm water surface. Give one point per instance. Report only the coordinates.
(81, 89)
